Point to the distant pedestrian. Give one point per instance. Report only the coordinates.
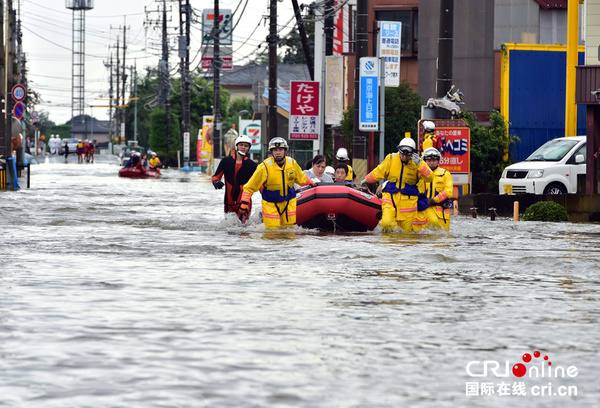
(66, 152)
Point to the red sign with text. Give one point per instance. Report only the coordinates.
(456, 151)
(304, 110)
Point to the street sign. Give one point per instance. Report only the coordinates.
(18, 110)
(18, 93)
(304, 110)
(369, 94)
(225, 26)
(186, 146)
(389, 50)
(226, 58)
(252, 129)
(456, 152)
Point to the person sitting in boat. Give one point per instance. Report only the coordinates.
(154, 162)
(330, 171)
(403, 170)
(276, 175)
(342, 157)
(435, 200)
(136, 163)
(145, 161)
(130, 161)
(341, 173)
(237, 170)
(317, 171)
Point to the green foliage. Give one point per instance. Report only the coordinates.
(45, 125)
(231, 116)
(64, 131)
(488, 145)
(546, 211)
(402, 114)
(165, 149)
(294, 53)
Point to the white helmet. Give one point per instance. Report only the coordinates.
(330, 170)
(278, 142)
(429, 126)
(407, 146)
(342, 154)
(431, 153)
(243, 139)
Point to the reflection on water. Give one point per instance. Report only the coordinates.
(118, 292)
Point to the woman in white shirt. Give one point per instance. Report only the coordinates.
(317, 172)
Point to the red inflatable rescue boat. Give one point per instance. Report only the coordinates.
(337, 207)
(135, 173)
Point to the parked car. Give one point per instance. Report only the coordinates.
(71, 142)
(551, 169)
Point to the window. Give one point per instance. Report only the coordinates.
(410, 28)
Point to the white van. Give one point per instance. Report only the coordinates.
(551, 169)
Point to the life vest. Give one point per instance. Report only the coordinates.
(280, 181)
(350, 175)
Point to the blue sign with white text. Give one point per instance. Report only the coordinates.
(369, 94)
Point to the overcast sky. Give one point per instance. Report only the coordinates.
(47, 41)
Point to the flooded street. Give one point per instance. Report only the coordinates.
(140, 293)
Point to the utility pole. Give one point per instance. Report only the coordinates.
(110, 103)
(133, 70)
(445, 45)
(165, 75)
(117, 115)
(217, 137)
(272, 40)
(124, 79)
(22, 80)
(184, 54)
(310, 63)
(8, 79)
(359, 149)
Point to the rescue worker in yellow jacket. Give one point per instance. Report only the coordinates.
(276, 175)
(435, 200)
(431, 139)
(403, 171)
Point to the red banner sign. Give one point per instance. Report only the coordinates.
(304, 110)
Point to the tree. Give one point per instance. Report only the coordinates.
(158, 139)
(232, 114)
(45, 125)
(402, 114)
(488, 143)
(294, 52)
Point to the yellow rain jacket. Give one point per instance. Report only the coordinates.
(401, 192)
(440, 189)
(278, 193)
(350, 175)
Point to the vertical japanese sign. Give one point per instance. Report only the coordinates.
(338, 28)
(304, 110)
(389, 50)
(334, 84)
(186, 146)
(252, 129)
(369, 94)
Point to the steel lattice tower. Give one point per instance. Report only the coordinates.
(79, 8)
